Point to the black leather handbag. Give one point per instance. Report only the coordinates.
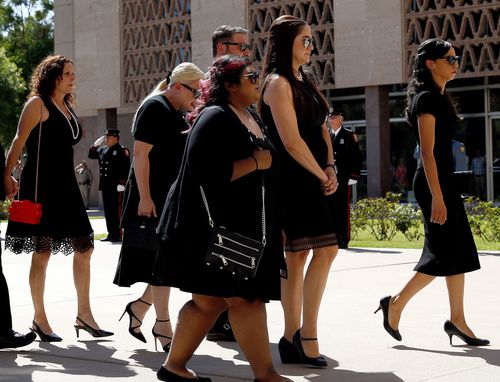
(232, 252)
(140, 233)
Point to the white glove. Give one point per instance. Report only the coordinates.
(120, 188)
(352, 181)
(99, 141)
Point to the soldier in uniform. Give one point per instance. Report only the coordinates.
(114, 166)
(348, 166)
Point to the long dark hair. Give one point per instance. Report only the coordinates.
(278, 59)
(421, 76)
(47, 73)
(226, 69)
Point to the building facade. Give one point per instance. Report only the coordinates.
(364, 54)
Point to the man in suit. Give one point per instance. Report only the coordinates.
(114, 166)
(348, 167)
(8, 338)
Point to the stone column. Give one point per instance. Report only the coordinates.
(64, 34)
(378, 140)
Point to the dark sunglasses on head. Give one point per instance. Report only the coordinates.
(308, 41)
(452, 59)
(196, 92)
(242, 45)
(252, 76)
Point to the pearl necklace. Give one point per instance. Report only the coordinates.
(67, 119)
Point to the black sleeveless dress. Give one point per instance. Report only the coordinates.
(306, 218)
(65, 226)
(449, 249)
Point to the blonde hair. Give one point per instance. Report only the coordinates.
(184, 72)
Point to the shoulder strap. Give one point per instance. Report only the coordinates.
(211, 222)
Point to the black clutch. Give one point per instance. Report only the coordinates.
(140, 233)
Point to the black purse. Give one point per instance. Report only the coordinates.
(231, 252)
(140, 233)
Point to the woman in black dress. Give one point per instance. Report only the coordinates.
(159, 132)
(295, 112)
(229, 154)
(64, 226)
(449, 248)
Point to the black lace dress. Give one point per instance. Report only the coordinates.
(65, 226)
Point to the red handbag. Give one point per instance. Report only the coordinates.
(26, 211)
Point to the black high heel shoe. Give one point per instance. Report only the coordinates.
(45, 337)
(89, 329)
(452, 330)
(316, 361)
(384, 305)
(288, 352)
(131, 315)
(165, 375)
(157, 336)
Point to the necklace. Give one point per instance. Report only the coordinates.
(297, 74)
(67, 119)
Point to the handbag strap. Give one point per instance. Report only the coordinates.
(37, 154)
(211, 222)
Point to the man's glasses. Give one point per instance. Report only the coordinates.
(452, 59)
(242, 45)
(308, 41)
(196, 92)
(252, 76)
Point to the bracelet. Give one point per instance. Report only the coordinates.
(256, 163)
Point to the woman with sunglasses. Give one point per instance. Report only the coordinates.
(449, 250)
(159, 137)
(229, 155)
(295, 112)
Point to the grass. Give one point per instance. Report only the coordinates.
(365, 240)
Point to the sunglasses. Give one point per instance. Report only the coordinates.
(308, 41)
(451, 59)
(252, 76)
(243, 46)
(196, 92)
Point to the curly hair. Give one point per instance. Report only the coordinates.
(47, 73)
(421, 76)
(226, 69)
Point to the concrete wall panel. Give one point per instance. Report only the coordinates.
(205, 17)
(368, 42)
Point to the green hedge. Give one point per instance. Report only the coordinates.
(384, 217)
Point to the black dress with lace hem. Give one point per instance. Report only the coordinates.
(64, 226)
(306, 218)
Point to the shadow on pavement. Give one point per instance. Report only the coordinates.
(373, 250)
(491, 356)
(72, 360)
(331, 373)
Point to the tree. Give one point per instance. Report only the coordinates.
(12, 89)
(27, 32)
(26, 37)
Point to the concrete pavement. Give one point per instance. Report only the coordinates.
(351, 336)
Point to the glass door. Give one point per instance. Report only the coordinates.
(494, 175)
(359, 190)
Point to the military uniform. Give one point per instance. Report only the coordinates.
(114, 166)
(348, 166)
